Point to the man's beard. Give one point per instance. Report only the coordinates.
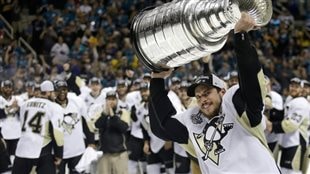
(216, 110)
(51, 98)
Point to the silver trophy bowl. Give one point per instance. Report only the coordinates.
(176, 33)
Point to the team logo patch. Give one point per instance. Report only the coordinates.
(69, 121)
(209, 141)
(296, 118)
(196, 118)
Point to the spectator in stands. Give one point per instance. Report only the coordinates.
(49, 38)
(60, 52)
(37, 27)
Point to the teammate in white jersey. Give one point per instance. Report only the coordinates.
(97, 93)
(75, 127)
(10, 125)
(181, 160)
(274, 113)
(5, 161)
(187, 102)
(29, 91)
(294, 130)
(159, 152)
(133, 96)
(226, 128)
(121, 90)
(306, 89)
(137, 158)
(305, 84)
(42, 133)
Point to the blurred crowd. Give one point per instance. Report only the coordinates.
(94, 37)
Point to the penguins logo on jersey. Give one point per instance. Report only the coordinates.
(295, 117)
(69, 121)
(209, 141)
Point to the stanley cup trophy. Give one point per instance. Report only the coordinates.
(182, 31)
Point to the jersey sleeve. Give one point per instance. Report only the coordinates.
(93, 114)
(56, 120)
(83, 108)
(19, 100)
(125, 116)
(296, 117)
(2, 108)
(249, 99)
(161, 111)
(90, 136)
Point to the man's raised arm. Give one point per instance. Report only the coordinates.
(161, 110)
(251, 78)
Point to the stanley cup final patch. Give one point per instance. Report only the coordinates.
(196, 118)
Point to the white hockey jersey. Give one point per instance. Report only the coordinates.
(36, 115)
(296, 122)
(178, 106)
(90, 100)
(133, 98)
(277, 103)
(24, 97)
(74, 144)
(141, 113)
(10, 126)
(155, 143)
(226, 137)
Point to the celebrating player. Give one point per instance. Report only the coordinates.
(226, 128)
